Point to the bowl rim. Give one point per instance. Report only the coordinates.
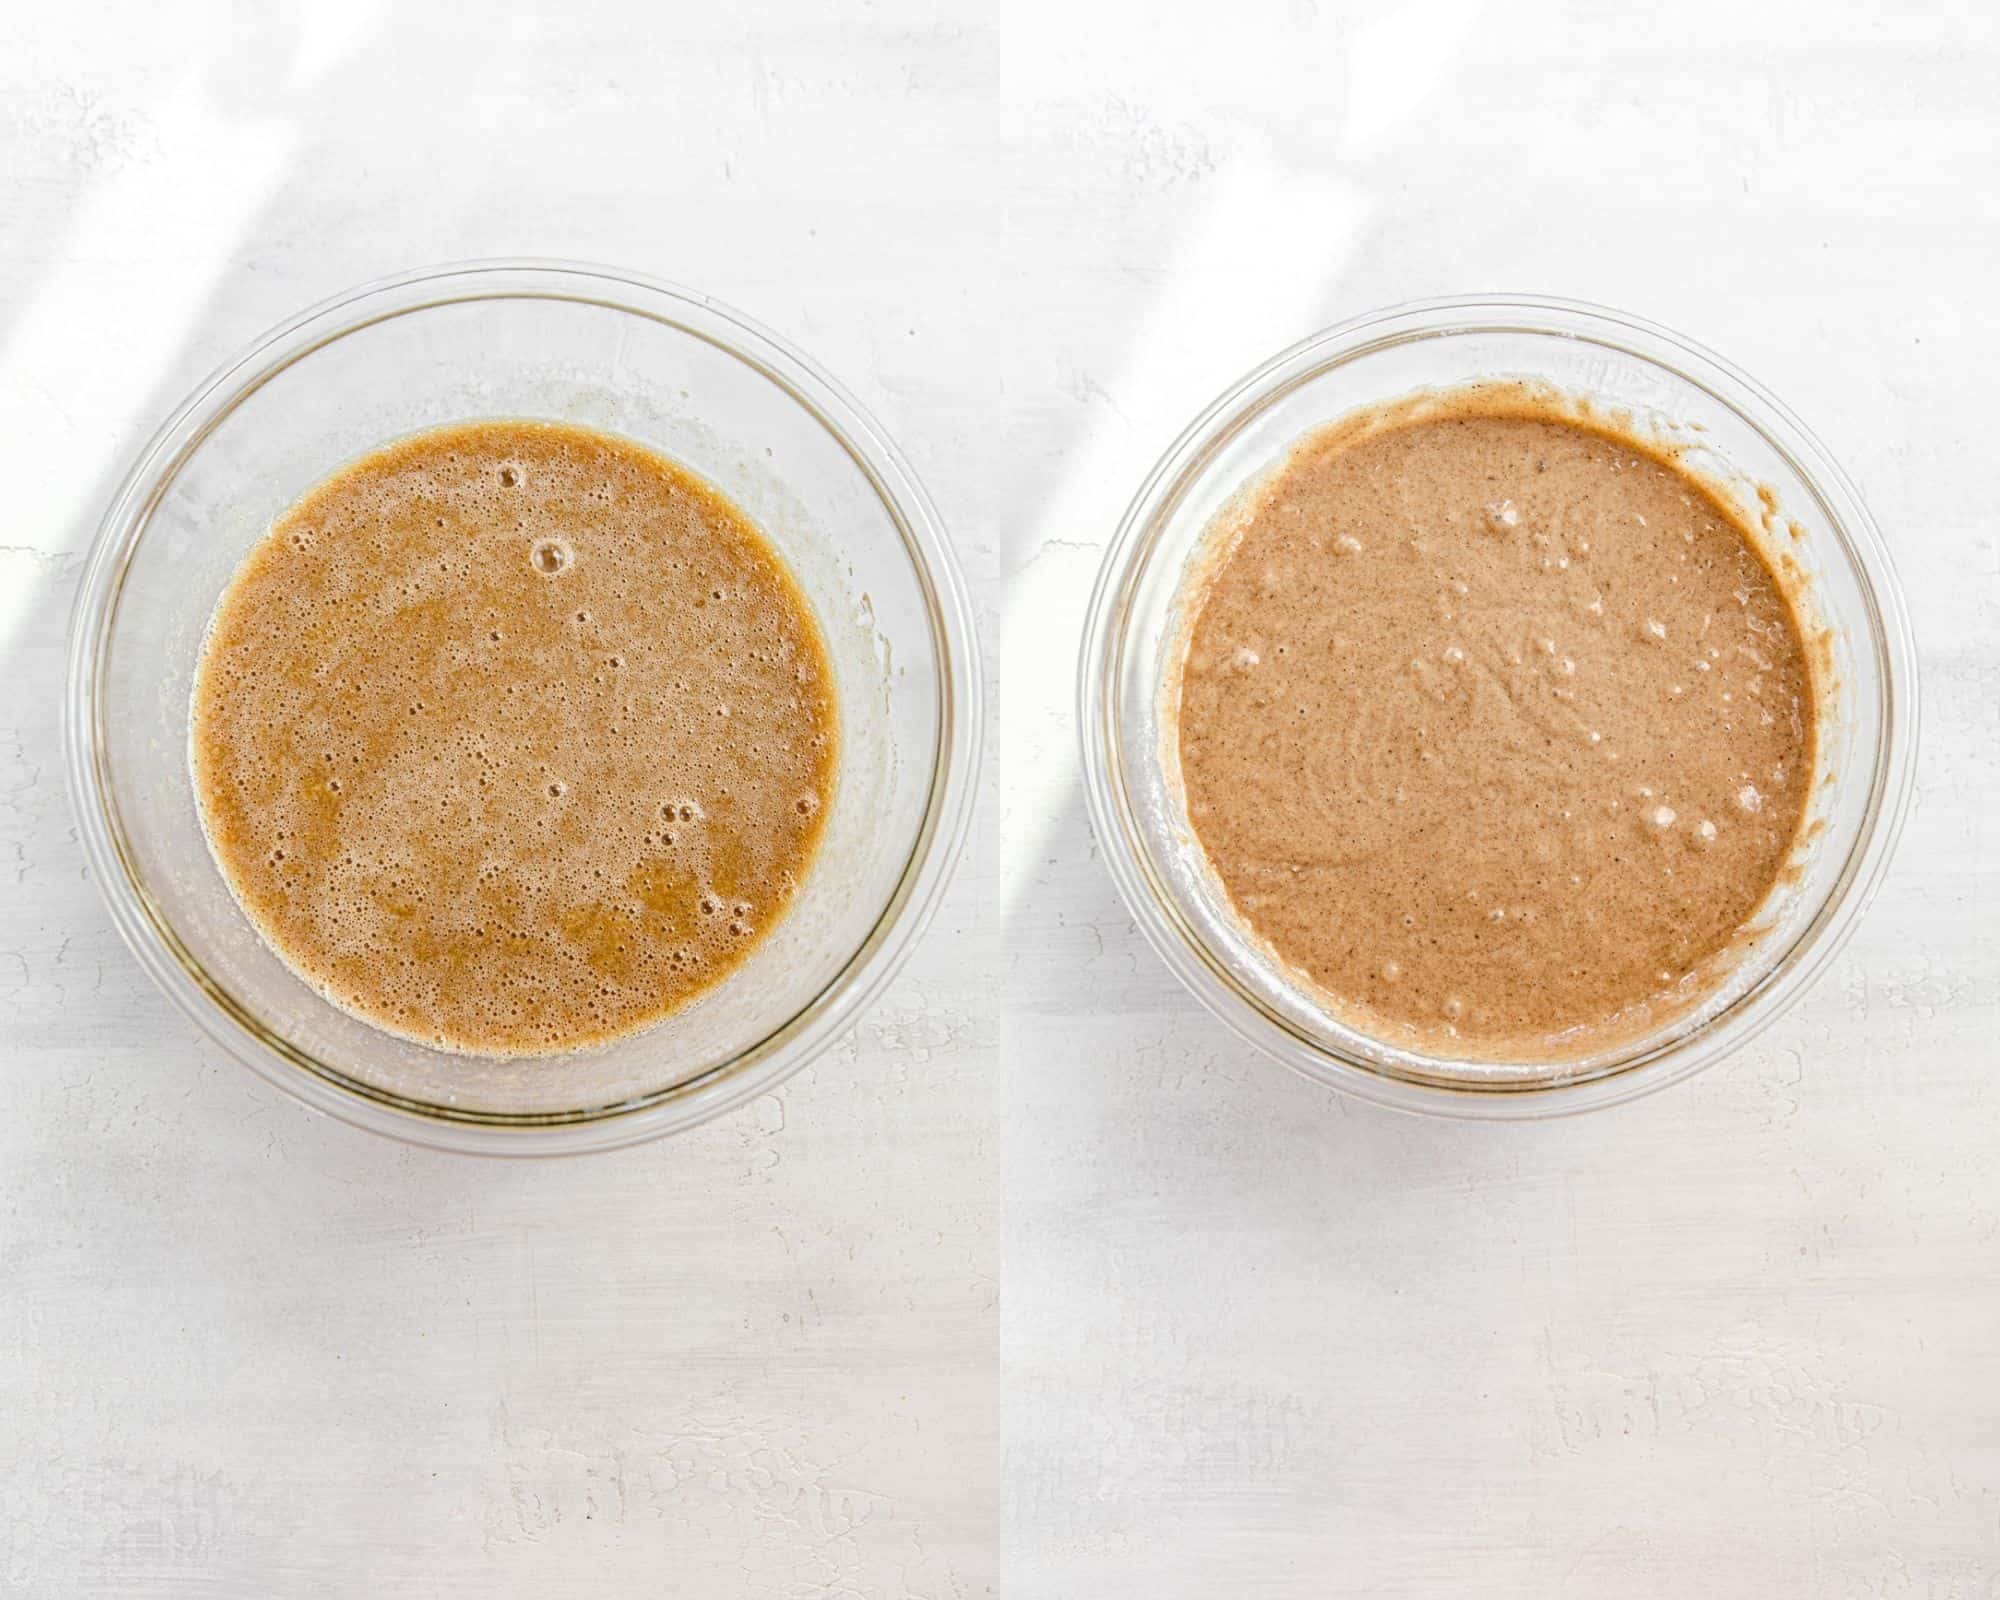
(1201, 970)
(956, 751)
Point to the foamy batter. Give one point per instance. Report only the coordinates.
(1494, 724)
(513, 736)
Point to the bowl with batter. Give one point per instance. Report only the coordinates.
(522, 707)
(1497, 706)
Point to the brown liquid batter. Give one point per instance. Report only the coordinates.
(1494, 724)
(513, 736)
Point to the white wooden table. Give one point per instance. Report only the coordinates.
(1040, 1284)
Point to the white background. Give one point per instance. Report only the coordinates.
(1041, 1283)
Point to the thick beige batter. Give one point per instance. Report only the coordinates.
(513, 736)
(1494, 724)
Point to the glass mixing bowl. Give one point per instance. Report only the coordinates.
(676, 371)
(1741, 440)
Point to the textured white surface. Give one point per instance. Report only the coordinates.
(1743, 1338)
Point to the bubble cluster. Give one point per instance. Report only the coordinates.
(492, 811)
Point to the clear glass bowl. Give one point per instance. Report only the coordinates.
(662, 365)
(1741, 439)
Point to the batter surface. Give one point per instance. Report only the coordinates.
(513, 736)
(1494, 723)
